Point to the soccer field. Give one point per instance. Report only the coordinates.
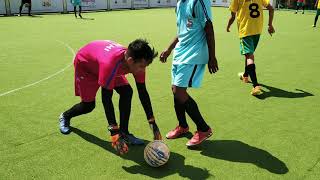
(276, 136)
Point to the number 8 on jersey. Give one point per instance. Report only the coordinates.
(254, 10)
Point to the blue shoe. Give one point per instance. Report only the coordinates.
(132, 140)
(64, 124)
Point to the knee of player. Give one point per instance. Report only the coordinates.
(126, 92)
(181, 97)
(173, 89)
(250, 59)
(89, 106)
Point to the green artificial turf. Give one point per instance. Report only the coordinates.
(276, 136)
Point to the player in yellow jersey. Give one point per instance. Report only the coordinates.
(317, 5)
(249, 15)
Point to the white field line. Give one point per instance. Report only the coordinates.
(46, 78)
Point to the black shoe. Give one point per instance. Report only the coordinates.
(131, 139)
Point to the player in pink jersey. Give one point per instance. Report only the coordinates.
(104, 64)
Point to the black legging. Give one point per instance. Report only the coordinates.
(79, 109)
(125, 93)
(75, 10)
(21, 6)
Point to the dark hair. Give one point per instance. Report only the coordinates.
(139, 49)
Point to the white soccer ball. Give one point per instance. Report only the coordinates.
(156, 153)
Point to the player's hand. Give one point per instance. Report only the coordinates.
(228, 29)
(155, 129)
(271, 30)
(119, 144)
(213, 65)
(164, 55)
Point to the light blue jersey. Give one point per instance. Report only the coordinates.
(76, 2)
(192, 47)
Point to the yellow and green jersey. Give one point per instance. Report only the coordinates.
(249, 16)
(318, 4)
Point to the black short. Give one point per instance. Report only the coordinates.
(25, 1)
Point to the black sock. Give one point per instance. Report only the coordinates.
(252, 73)
(245, 74)
(79, 109)
(315, 20)
(194, 113)
(125, 93)
(180, 113)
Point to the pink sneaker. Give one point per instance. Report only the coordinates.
(177, 132)
(199, 137)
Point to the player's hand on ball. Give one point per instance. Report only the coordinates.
(156, 133)
(213, 65)
(271, 30)
(119, 144)
(164, 55)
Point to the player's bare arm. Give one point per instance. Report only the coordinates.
(166, 53)
(231, 20)
(271, 14)
(212, 63)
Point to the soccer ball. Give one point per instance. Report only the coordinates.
(156, 153)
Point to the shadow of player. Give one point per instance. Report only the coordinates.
(87, 19)
(35, 16)
(237, 151)
(276, 92)
(175, 164)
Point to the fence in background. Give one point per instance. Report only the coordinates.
(10, 7)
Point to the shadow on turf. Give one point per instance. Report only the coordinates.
(276, 92)
(35, 16)
(175, 164)
(88, 19)
(237, 151)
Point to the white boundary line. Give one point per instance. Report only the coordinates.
(46, 78)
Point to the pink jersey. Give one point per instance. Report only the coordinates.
(103, 60)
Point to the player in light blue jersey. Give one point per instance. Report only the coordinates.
(194, 47)
(76, 3)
